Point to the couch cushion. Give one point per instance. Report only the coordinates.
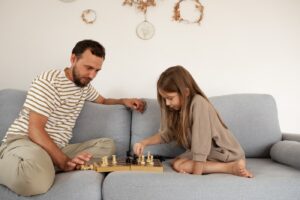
(11, 102)
(252, 118)
(146, 124)
(111, 121)
(272, 181)
(286, 152)
(67, 186)
(94, 121)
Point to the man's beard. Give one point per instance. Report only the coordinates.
(76, 79)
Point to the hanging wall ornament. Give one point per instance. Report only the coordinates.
(89, 16)
(178, 15)
(145, 30)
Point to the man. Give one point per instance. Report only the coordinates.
(36, 144)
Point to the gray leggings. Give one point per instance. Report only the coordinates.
(28, 170)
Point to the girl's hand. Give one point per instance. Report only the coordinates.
(138, 148)
(198, 167)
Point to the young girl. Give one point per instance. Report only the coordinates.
(189, 118)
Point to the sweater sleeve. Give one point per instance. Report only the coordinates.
(201, 132)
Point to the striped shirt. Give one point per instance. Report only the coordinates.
(53, 95)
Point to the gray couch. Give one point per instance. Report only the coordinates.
(272, 156)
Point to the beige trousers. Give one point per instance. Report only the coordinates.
(28, 170)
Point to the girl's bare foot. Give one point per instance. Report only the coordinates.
(239, 169)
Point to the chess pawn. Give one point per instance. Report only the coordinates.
(151, 162)
(139, 159)
(96, 166)
(143, 160)
(104, 161)
(114, 160)
(90, 167)
(148, 158)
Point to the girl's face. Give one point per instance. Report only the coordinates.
(172, 99)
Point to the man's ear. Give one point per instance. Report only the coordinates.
(73, 59)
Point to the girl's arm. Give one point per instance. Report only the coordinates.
(138, 147)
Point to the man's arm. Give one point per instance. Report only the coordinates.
(133, 103)
(38, 135)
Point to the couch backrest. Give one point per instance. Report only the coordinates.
(96, 121)
(11, 102)
(93, 122)
(252, 118)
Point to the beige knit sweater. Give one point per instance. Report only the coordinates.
(208, 139)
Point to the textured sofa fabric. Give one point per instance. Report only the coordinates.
(251, 117)
(286, 152)
(272, 181)
(94, 121)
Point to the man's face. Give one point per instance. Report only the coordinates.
(85, 68)
(172, 99)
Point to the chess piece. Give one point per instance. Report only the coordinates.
(151, 162)
(114, 160)
(143, 160)
(104, 161)
(148, 158)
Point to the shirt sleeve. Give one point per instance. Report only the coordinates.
(41, 97)
(201, 140)
(92, 93)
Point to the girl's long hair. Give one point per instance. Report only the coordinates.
(178, 79)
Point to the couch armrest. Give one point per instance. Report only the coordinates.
(291, 136)
(286, 152)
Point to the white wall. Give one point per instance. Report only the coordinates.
(242, 46)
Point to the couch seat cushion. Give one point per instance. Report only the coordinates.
(67, 186)
(272, 181)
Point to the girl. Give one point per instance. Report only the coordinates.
(189, 118)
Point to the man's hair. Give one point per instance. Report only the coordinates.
(95, 47)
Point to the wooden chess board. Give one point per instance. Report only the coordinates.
(123, 165)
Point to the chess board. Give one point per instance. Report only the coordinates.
(123, 165)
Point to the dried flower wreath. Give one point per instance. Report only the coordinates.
(142, 5)
(177, 14)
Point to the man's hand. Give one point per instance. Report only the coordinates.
(136, 104)
(79, 159)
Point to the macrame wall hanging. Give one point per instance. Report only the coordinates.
(145, 30)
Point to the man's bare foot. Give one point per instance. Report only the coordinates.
(239, 169)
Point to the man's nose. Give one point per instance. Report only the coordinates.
(92, 74)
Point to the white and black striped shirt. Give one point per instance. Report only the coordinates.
(53, 95)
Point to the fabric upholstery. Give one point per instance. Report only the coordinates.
(286, 152)
(71, 185)
(252, 118)
(272, 181)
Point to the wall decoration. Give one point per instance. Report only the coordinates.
(141, 5)
(145, 30)
(89, 16)
(177, 15)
